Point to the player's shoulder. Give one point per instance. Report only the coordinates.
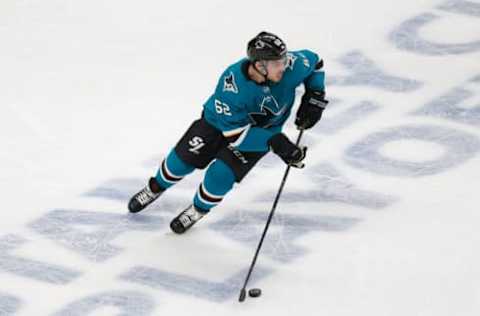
(304, 59)
(233, 81)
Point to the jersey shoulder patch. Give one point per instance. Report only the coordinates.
(229, 83)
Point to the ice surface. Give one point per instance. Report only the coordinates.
(383, 220)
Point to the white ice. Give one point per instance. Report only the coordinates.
(94, 93)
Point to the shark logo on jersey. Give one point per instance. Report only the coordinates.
(229, 83)
(271, 103)
(291, 60)
(269, 112)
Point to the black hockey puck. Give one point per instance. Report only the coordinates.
(254, 292)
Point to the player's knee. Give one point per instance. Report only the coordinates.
(176, 165)
(218, 181)
(172, 170)
(219, 178)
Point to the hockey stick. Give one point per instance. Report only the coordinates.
(243, 292)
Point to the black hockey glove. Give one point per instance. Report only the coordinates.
(311, 107)
(290, 153)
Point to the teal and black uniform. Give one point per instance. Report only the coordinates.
(237, 122)
(259, 111)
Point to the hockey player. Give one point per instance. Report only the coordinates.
(240, 123)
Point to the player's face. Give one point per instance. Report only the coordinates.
(275, 69)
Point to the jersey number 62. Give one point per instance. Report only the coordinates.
(222, 108)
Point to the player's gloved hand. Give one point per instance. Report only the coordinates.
(290, 153)
(311, 107)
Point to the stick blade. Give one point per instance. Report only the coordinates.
(243, 295)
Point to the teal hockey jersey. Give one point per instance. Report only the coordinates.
(258, 111)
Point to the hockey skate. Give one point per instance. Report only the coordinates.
(186, 219)
(145, 196)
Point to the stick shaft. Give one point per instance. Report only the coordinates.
(270, 216)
